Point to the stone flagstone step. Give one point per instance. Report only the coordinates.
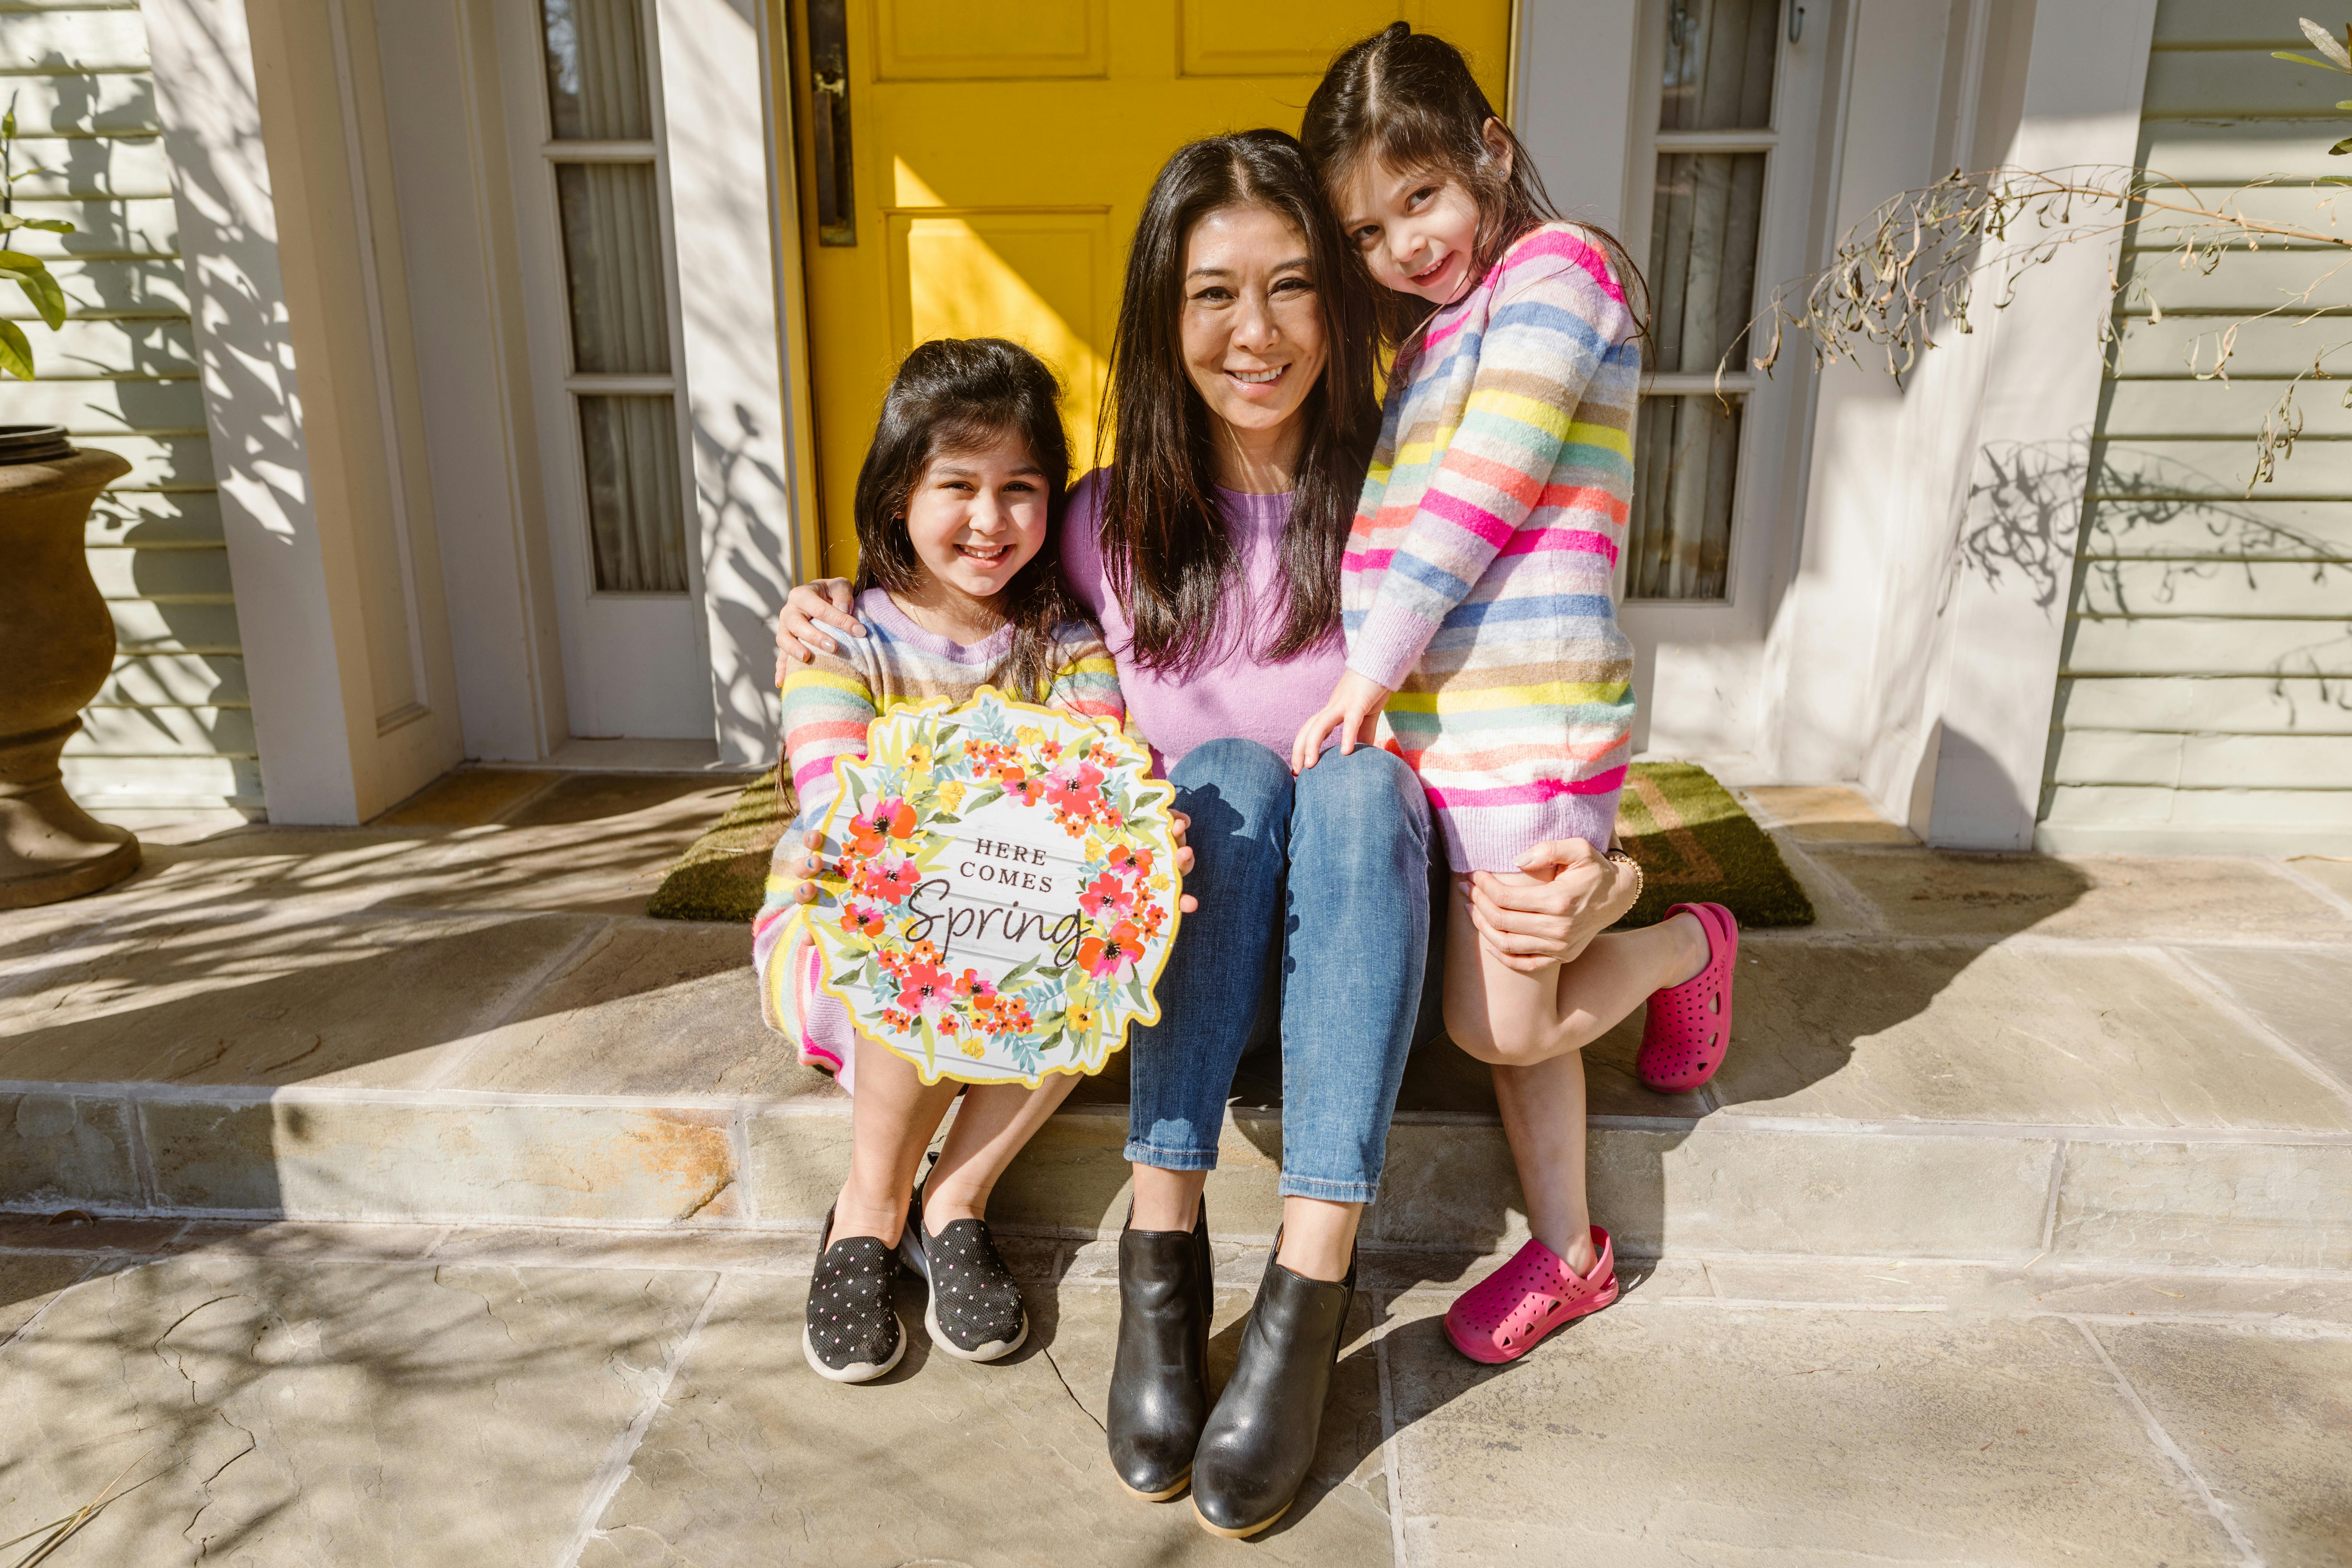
(2125, 1062)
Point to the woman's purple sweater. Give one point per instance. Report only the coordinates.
(1234, 692)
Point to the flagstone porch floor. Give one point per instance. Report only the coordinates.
(2017, 1229)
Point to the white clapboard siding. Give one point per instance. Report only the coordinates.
(172, 728)
(2258, 704)
(2205, 691)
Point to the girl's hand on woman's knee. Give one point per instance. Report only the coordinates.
(1185, 902)
(827, 600)
(1565, 894)
(1354, 708)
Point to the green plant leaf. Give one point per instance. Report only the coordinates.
(42, 290)
(10, 223)
(16, 353)
(51, 224)
(2341, 148)
(2297, 59)
(2326, 43)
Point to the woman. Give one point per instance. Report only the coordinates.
(1210, 551)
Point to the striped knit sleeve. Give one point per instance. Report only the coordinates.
(1557, 314)
(828, 704)
(1087, 682)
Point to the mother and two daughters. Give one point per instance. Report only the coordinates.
(1339, 626)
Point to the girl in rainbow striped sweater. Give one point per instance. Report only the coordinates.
(956, 508)
(1481, 623)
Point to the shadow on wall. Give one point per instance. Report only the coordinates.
(749, 552)
(178, 688)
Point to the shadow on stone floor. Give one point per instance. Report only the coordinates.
(1636, 1131)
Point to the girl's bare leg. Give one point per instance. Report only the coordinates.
(1501, 1015)
(1533, 1029)
(891, 1120)
(995, 1121)
(1543, 1116)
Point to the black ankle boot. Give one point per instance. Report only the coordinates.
(1159, 1382)
(1254, 1455)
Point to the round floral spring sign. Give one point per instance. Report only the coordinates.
(1001, 889)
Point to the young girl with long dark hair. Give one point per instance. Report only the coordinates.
(958, 507)
(1481, 618)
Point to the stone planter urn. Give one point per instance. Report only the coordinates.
(56, 645)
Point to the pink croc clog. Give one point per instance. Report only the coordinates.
(1689, 1026)
(1507, 1313)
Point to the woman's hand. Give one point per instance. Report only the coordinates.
(1530, 925)
(1354, 707)
(828, 600)
(1187, 903)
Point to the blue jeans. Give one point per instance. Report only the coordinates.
(1335, 864)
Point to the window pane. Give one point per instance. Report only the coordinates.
(1702, 228)
(611, 253)
(637, 520)
(1686, 456)
(1719, 57)
(596, 71)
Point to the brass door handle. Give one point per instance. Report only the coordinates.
(836, 185)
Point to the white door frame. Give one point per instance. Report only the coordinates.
(635, 665)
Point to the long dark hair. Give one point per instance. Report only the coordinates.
(1167, 548)
(1409, 99)
(951, 396)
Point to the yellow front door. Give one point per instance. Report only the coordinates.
(975, 168)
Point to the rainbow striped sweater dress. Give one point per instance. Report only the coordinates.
(1478, 579)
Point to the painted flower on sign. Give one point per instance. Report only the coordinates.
(941, 790)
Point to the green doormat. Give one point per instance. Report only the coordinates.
(724, 875)
(1692, 839)
(1696, 846)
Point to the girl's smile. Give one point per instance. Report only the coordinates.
(976, 518)
(1418, 230)
(1251, 327)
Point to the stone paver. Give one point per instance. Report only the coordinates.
(756, 1461)
(1675, 1436)
(279, 996)
(2267, 1422)
(378, 1394)
(2300, 994)
(354, 1413)
(1966, 1034)
(2120, 897)
(468, 798)
(1826, 814)
(649, 1007)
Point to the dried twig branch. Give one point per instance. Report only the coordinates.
(1924, 258)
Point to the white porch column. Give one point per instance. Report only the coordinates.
(1995, 677)
(206, 97)
(725, 196)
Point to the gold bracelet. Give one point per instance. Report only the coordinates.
(1622, 859)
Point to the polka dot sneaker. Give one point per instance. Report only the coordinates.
(851, 1332)
(975, 1311)
(1507, 1313)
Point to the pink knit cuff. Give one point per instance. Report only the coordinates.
(1389, 644)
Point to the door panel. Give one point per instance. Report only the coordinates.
(1000, 156)
(955, 40)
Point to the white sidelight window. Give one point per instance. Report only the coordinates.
(602, 154)
(600, 294)
(1714, 146)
